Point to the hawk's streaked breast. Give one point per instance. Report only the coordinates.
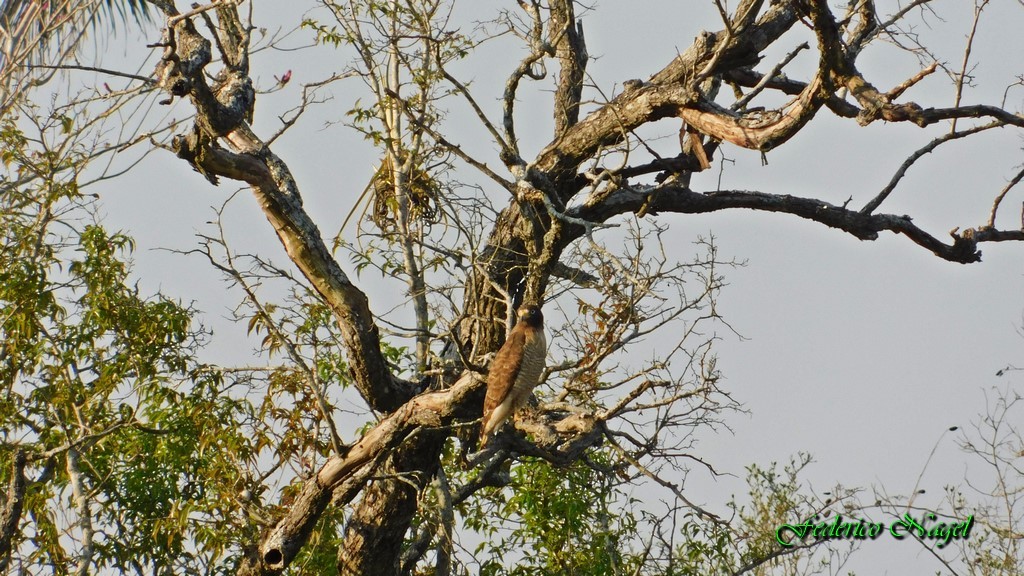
(515, 371)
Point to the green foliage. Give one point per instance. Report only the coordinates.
(774, 501)
(577, 520)
(557, 520)
(87, 361)
(320, 555)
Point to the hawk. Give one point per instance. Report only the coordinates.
(515, 371)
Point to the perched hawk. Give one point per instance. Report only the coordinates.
(515, 371)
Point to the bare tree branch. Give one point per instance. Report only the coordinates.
(919, 153)
(963, 249)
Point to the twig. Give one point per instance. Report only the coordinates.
(995, 205)
(901, 172)
(200, 10)
(967, 56)
(744, 12)
(93, 69)
(899, 90)
(767, 78)
(675, 489)
(309, 373)
(539, 49)
(462, 89)
(896, 17)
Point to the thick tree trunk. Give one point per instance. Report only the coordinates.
(503, 264)
(376, 530)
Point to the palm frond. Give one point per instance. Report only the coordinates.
(138, 10)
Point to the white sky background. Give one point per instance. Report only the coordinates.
(861, 353)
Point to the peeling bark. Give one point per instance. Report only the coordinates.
(663, 94)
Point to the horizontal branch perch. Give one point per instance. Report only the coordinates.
(671, 198)
(343, 475)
